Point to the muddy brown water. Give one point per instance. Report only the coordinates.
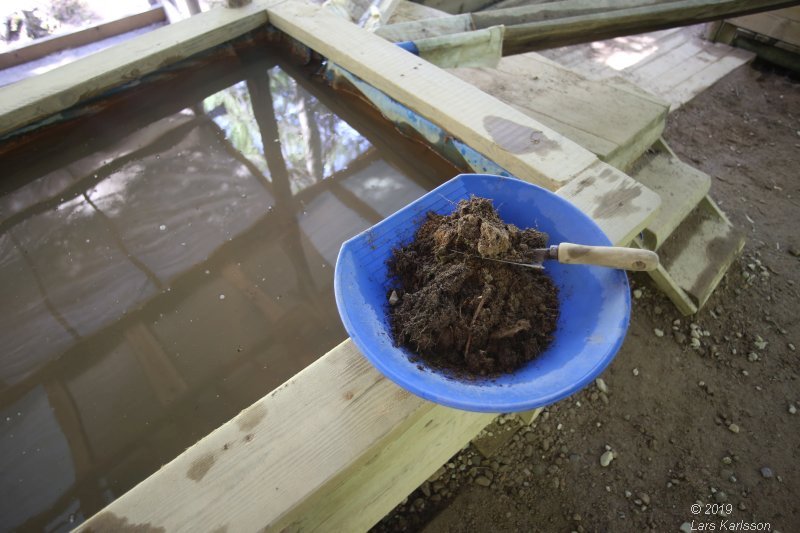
(166, 259)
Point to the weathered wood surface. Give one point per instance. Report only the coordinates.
(614, 123)
(782, 24)
(680, 186)
(700, 251)
(34, 98)
(596, 26)
(670, 65)
(56, 43)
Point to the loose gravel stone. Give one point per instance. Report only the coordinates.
(483, 481)
(606, 458)
(601, 385)
(792, 409)
(658, 332)
(720, 497)
(766, 472)
(733, 428)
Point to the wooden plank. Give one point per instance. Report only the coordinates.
(680, 186)
(521, 145)
(698, 82)
(34, 98)
(551, 10)
(620, 205)
(783, 24)
(56, 43)
(273, 474)
(780, 53)
(615, 124)
(701, 249)
(597, 26)
(676, 49)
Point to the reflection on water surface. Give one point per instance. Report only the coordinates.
(165, 272)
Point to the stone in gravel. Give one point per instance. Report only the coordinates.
(426, 490)
(680, 337)
(546, 443)
(637, 293)
(601, 384)
(792, 409)
(657, 310)
(720, 497)
(483, 481)
(528, 451)
(635, 371)
(752, 357)
(766, 472)
(733, 428)
(695, 342)
(645, 498)
(686, 527)
(606, 458)
(658, 332)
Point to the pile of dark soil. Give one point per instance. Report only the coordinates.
(460, 312)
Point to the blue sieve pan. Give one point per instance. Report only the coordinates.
(594, 301)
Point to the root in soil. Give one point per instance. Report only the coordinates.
(461, 313)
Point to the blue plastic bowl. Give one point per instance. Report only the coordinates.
(595, 301)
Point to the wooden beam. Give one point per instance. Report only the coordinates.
(38, 97)
(551, 10)
(97, 32)
(597, 26)
(519, 144)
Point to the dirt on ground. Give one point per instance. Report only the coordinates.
(679, 429)
(458, 307)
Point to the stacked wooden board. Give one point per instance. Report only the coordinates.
(774, 35)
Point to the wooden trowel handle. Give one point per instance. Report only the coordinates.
(607, 256)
